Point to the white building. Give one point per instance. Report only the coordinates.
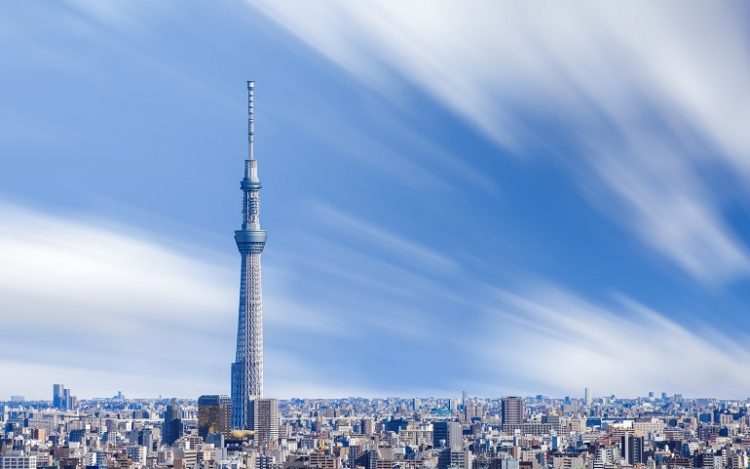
(17, 460)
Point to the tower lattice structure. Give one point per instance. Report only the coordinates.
(247, 370)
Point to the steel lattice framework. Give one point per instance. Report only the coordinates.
(247, 370)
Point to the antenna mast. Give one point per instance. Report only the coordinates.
(250, 120)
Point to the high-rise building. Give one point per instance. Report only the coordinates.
(452, 458)
(448, 434)
(146, 438)
(632, 448)
(512, 412)
(247, 370)
(587, 397)
(61, 398)
(266, 420)
(172, 428)
(453, 405)
(137, 454)
(368, 427)
(214, 415)
(57, 395)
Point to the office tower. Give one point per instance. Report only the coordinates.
(587, 397)
(453, 458)
(172, 429)
(512, 412)
(553, 420)
(632, 448)
(368, 428)
(216, 439)
(247, 370)
(266, 419)
(439, 434)
(455, 436)
(146, 439)
(448, 434)
(214, 415)
(470, 411)
(65, 405)
(57, 395)
(61, 398)
(453, 405)
(137, 454)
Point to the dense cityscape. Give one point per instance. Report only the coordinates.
(460, 433)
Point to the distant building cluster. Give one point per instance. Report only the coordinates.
(667, 432)
(61, 398)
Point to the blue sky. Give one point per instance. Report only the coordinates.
(471, 197)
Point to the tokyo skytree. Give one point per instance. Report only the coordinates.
(247, 370)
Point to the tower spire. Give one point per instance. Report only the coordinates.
(250, 120)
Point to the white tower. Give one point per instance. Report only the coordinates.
(247, 370)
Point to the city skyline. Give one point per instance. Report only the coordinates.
(455, 206)
(652, 432)
(585, 396)
(511, 407)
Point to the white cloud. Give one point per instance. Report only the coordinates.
(597, 70)
(555, 340)
(87, 303)
(670, 208)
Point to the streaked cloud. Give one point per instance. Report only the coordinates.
(377, 235)
(104, 306)
(87, 302)
(82, 298)
(671, 208)
(598, 75)
(550, 338)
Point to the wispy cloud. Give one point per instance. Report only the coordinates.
(672, 210)
(550, 338)
(597, 69)
(384, 238)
